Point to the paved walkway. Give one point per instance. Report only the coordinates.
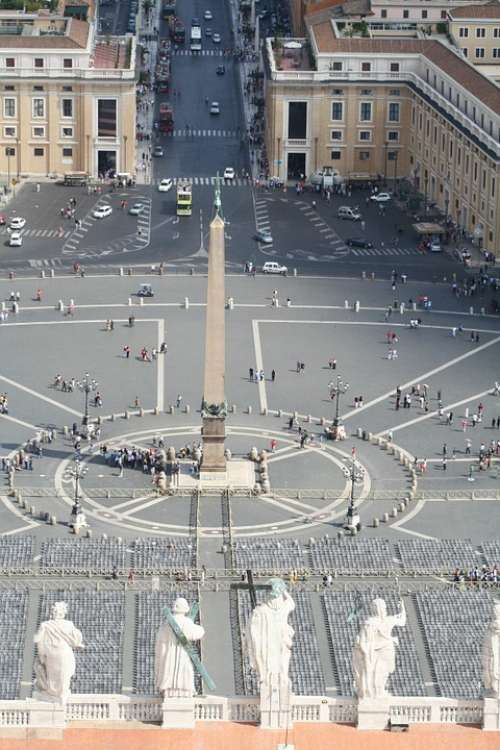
(146, 99)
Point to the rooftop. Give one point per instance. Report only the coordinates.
(112, 52)
(292, 55)
(43, 32)
(488, 11)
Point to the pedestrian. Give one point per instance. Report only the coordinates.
(468, 445)
(298, 367)
(178, 400)
(126, 351)
(444, 463)
(445, 449)
(273, 444)
(273, 375)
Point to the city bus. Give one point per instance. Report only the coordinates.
(195, 39)
(184, 199)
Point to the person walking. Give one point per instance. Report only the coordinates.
(250, 373)
(273, 375)
(126, 351)
(178, 401)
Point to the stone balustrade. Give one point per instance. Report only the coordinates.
(339, 710)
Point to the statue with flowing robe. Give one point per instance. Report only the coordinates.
(174, 671)
(55, 661)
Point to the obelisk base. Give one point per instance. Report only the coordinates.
(213, 461)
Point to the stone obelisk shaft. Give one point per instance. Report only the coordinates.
(214, 400)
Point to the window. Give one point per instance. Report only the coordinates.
(463, 32)
(9, 107)
(383, 13)
(67, 108)
(9, 131)
(366, 92)
(38, 106)
(297, 119)
(479, 52)
(393, 135)
(496, 52)
(492, 191)
(37, 88)
(336, 155)
(338, 92)
(465, 52)
(337, 66)
(107, 119)
(39, 62)
(10, 151)
(336, 135)
(393, 115)
(365, 135)
(366, 67)
(363, 155)
(480, 33)
(394, 92)
(39, 131)
(67, 132)
(67, 153)
(9, 88)
(365, 111)
(392, 156)
(475, 171)
(38, 151)
(424, 14)
(443, 15)
(496, 33)
(394, 68)
(451, 148)
(337, 111)
(67, 88)
(406, 14)
(67, 62)
(10, 62)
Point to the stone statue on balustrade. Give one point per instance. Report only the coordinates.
(269, 640)
(491, 655)
(55, 661)
(174, 654)
(374, 655)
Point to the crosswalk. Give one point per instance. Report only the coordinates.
(383, 251)
(40, 234)
(237, 182)
(203, 133)
(202, 53)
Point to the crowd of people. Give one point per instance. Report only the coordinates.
(483, 574)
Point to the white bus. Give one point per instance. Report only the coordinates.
(195, 39)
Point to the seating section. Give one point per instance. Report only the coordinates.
(454, 624)
(306, 673)
(16, 553)
(158, 554)
(274, 555)
(491, 553)
(82, 555)
(346, 555)
(345, 611)
(13, 612)
(101, 618)
(149, 617)
(436, 555)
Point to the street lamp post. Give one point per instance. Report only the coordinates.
(87, 385)
(77, 472)
(336, 391)
(354, 473)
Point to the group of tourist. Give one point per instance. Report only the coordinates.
(484, 574)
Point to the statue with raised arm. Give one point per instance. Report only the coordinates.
(269, 636)
(175, 658)
(55, 661)
(491, 654)
(374, 655)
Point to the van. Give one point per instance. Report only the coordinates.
(346, 212)
(273, 267)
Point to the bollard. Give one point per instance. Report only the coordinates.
(3, 307)
(359, 432)
(402, 308)
(42, 274)
(340, 533)
(60, 306)
(401, 507)
(279, 413)
(483, 311)
(187, 409)
(322, 421)
(53, 521)
(295, 272)
(156, 411)
(126, 414)
(471, 310)
(346, 304)
(141, 412)
(52, 273)
(141, 300)
(356, 306)
(129, 272)
(264, 411)
(89, 533)
(394, 512)
(363, 274)
(230, 303)
(171, 409)
(130, 303)
(385, 517)
(375, 523)
(249, 409)
(65, 430)
(11, 274)
(121, 271)
(186, 303)
(309, 418)
(191, 270)
(15, 307)
(373, 275)
(32, 510)
(414, 305)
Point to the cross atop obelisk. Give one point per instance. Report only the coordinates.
(214, 405)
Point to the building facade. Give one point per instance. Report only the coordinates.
(475, 29)
(393, 108)
(67, 98)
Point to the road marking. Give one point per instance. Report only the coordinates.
(160, 382)
(52, 401)
(399, 524)
(259, 364)
(29, 524)
(20, 422)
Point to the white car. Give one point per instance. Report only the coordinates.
(272, 267)
(216, 38)
(16, 239)
(208, 15)
(17, 222)
(102, 211)
(229, 173)
(381, 197)
(215, 108)
(165, 185)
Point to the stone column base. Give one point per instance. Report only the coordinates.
(373, 713)
(46, 713)
(275, 704)
(177, 713)
(491, 715)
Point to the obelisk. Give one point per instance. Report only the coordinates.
(214, 405)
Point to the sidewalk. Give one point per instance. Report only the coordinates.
(146, 94)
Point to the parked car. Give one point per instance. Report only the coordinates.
(136, 209)
(264, 237)
(208, 15)
(215, 108)
(15, 239)
(208, 31)
(220, 70)
(435, 246)
(381, 197)
(17, 222)
(272, 267)
(346, 212)
(165, 185)
(229, 173)
(158, 151)
(358, 242)
(216, 38)
(102, 211)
